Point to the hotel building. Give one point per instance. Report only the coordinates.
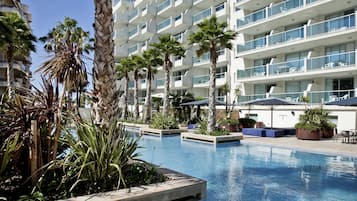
(288, 49)
(21, 64)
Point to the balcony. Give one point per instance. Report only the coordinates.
(204, 60)
(304, 68)
(198, 17)
(164, 8)
(203, 80)
(121, 4)
(285, 12)
(120, 18)
(251, 4)
(121, 35)
(327, 32)
(133, 49)
(133, 32)
(204, 3)
(148, 10)
(160, 83)
(143, 31)
(181, 5)
(181, 81)
(174, 24)
(134, 14)
(16, 65)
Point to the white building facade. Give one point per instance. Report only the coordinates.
(288, 49)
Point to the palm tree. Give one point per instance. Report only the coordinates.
(123, 69)
(138, 66)
(152, 59)
(20, 43)
(212, 36)
(67, 44)
(105, 88)
(168, 46)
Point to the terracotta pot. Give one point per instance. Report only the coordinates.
(304, 134)
(327, 132)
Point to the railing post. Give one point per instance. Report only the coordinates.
(266, 12)
(305, 31)
(267, 67)
(304, 2)
(305, 64)
(267, 40)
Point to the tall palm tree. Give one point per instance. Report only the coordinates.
(212, 36)
(152, 59)
(168, 46)
(123, 69)
(138, 66)
(105, 88)
(20, 43)
(68, 44)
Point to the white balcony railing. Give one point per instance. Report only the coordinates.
(342, 23)
(322, 63)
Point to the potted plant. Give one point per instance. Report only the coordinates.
(246, 123)
(232, 125)
(314, 124)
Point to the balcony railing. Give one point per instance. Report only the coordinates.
(204, 14)
(160, 82)
(336, 24)
(202, 59)
(314, 97)
(331, 61)
(271, 11)
(202, 79)
(132, 49)
(321, 63)
(164, 24)
(133, 14)
(133, 31)
(328, 26)
(163, 5)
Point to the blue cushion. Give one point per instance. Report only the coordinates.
(191, 126)
(274, 132)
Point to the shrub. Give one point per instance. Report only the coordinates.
(229, 121)
(247, 122)
(216, 132)
(159, 121)
(314, 119)
(98, 160)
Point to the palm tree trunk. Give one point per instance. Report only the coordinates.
(167, 88)
(10, 73)
(124, 115)
(104, 72)
(136, 99)
(212, 93)
(147, 105)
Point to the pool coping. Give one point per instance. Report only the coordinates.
(298, 148)
(211, 139)
(179, 186)
(160, 132)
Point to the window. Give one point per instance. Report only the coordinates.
(296, 86)
(339, 88)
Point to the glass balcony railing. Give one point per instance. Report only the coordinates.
(257, 71)
(253, 17)
(336, 24)
(286, 36)
(286, 67)
(252, 44)
(321, 63)
(250, 97)
(163, 5)
(332, 25)
(285, 6)
(160, 82)
(202, 59)
(131, 84)
(202, 79)
(133, 31)
(271, 11)
(132, 49)
(204, 14)
(164, 24)
(177, 78)
(133, 14)
(314, 97)
(332, 61)
(328, 96)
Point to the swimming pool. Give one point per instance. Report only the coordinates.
(246, 172)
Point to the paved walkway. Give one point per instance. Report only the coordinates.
(328, 146)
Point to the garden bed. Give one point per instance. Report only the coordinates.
(210, 138)
(177, 187)
(161, 132)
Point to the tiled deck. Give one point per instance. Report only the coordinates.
(328, 146)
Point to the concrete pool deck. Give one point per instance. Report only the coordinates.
(325, 146)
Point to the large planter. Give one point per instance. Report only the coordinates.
(327, 132)
(304, 134)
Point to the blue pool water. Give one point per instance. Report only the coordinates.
(252, 172)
